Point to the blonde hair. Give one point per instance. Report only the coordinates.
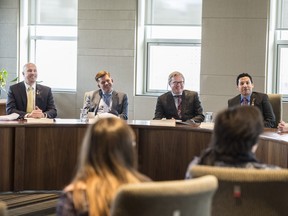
(107, 160)
(101, 74)
(173, 74)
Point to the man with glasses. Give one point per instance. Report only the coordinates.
(178, 103)
(105, 99)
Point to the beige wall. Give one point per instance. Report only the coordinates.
(234, 41)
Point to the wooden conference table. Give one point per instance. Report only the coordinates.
(37, 156)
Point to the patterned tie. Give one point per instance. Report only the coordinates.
(30, 100)
(179, 105)
(245, 101)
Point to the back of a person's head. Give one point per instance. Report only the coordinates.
(108, 146)
(237, 130)
(3, 209)
(106, 161)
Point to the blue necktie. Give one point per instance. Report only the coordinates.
(107, 99)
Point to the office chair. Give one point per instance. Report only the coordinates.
(276, 103)
(171, 198)
(249, 192)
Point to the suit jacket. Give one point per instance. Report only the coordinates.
(17, 100)
(191, 107)
(261, 101)
(119, 103)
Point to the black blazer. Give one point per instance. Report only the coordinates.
(261, 101)
(191, 107)
(17, 100)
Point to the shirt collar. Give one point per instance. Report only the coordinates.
(27, 86)
(247, 97)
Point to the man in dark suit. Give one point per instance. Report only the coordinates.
(245, 86)
(179, 103)
(41, 103)
(105, 99)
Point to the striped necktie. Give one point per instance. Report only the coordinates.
(30, 100)
(245, 101)
(179, 107)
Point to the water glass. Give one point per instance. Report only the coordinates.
(84, 115)
(209, 117)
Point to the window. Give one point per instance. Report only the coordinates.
(169, 39)
(50, 30)
(281, 47)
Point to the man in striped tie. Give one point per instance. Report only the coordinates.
(179, 103)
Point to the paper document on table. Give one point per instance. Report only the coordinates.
(9, 117)
(164, 122)
(190, 122)
(39, 120)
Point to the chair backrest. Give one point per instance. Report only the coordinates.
(247, 191)
(171, 198)
(276, 103)
(3, 209)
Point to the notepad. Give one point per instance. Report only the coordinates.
(9, 117)
(164, 122)
(40, 120)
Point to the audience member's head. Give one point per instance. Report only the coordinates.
(107, 160)
(235, 135)
(3, 209)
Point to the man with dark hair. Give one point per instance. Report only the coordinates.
(234, 140)
(247, 97)
(105, 99)
(179, 103)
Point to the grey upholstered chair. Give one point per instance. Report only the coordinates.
(276, 102)
(167, 198)
(249, 192)
(3, 209)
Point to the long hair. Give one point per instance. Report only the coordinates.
(107, 160)
(236, 131)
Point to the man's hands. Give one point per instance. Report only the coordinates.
(36, 113)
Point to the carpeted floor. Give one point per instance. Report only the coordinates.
(31, 203)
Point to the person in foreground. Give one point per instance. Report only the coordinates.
(179, 103)
(248, 97)
(40, 103)
(105, 99)
(234, 140)
(106, 161)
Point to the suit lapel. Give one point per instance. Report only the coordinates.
(23, 94)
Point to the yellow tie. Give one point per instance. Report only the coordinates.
(30, 100)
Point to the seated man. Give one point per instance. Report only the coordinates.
(105, 99)
(30, 99)
(179, 103)
(245, 86)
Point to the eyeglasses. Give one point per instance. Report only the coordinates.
(176, 83)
